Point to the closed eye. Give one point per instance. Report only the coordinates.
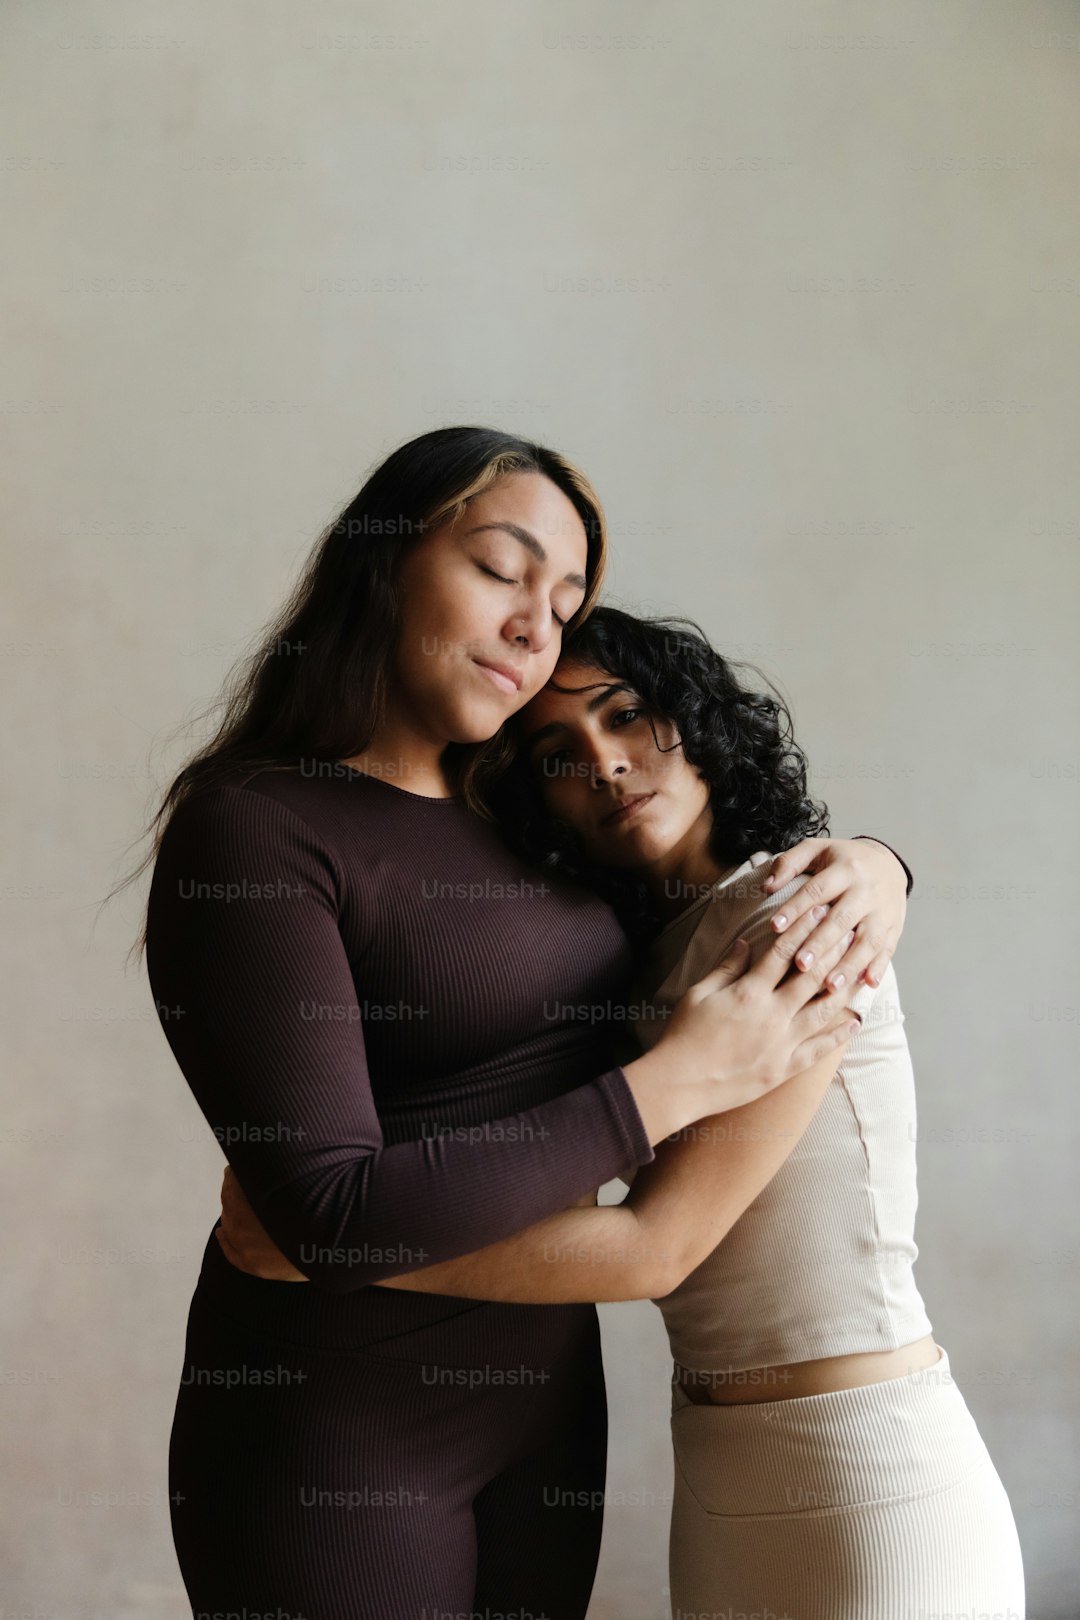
(562, 623)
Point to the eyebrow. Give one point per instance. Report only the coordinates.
(553, 726)
(531, 543)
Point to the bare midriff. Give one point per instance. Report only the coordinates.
(726, 1386)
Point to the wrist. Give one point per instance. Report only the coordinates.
(668, 1088)
(909, 879)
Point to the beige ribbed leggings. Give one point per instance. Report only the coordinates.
(880, 1503)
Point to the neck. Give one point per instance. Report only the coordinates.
(682, 875)
(402, 756)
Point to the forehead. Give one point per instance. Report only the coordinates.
(548, 704)
(534, 501)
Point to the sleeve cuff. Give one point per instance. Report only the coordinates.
(624, 1110)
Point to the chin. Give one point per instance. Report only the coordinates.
(630, 855)
(474, 727)
(617, 855)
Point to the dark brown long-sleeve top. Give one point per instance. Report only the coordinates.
(400, 1034)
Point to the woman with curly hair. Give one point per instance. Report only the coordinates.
(826, 1464)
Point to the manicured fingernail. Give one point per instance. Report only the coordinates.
(837, 979)
(848, 938)
(805, 958)
(779, 923)
(818, 912)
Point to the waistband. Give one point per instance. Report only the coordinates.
(902, 1437)
(392, 1323)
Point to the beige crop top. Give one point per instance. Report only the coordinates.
(820, 1264)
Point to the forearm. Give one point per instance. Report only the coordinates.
(416, 1202)
(663, 1105)
(243, 989)
(698, 1186)
(645, 1105)
(586, 1254)
(581, 1255)
(681, 1206)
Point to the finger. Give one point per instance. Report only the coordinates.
(822, 889)
(867, 948)
(817, 1046)
(811, 967)
(731, 966)
(849, 905)
(830, 1002)
(823, 953)
(773, 963)
(792, 862)
(810, 987)
(877, 969)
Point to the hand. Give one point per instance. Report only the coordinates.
(741, 1031)
(863, 884)
(245, 1241)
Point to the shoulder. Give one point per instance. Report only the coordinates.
(245, 818)
(736, 904)
(741, 901)
(252, 798)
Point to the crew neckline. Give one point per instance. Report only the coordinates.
(424, 798)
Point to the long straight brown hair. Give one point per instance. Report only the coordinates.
(316, 685)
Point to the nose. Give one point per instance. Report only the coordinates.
(532, 627)
(606, 760)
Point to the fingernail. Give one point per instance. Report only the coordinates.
(805, 958)
(779, 923)
(819, 912)
(837, 979)
(848, 937)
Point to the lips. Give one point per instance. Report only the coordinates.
(507, 671)
(625, 805)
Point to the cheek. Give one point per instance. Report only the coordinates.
(668, 756)
(438, 629)
(562, 791)
(539, 668)
(440, 596)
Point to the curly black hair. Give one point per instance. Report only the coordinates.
(740, 739)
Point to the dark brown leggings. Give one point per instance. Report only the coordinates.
(383, 1455)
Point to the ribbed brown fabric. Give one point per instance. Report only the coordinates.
(354, 979)
(366, 980)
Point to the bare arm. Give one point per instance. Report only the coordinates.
(620, 1253)
(681, 1206)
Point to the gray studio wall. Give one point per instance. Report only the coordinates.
(798, 285)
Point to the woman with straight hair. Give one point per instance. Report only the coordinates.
(351, 967)
(826, 1464)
